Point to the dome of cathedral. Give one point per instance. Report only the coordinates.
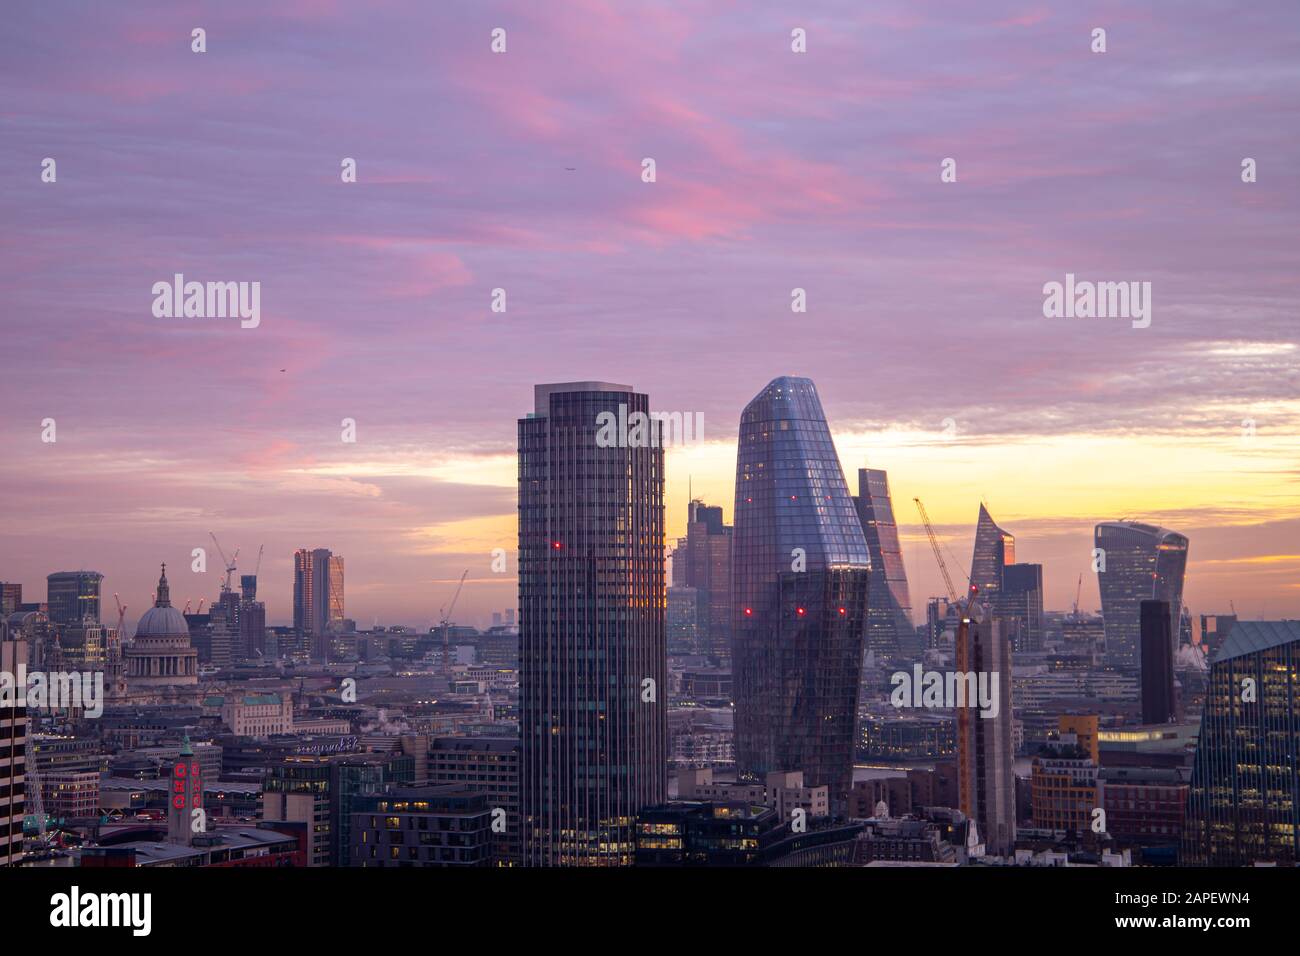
(162, 620)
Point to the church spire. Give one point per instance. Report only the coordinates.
(164, 598)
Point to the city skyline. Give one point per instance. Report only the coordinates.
(775, 172)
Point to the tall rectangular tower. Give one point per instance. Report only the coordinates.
(1157, 663)
(13, 750)
(592, 652)
(986, 753)
(702, 563)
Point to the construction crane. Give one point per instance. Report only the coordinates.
(228, 562)
(965, 778)
(121, 617)
(258, 567)
(444, 622)
(938, 555)
(187, 605)
(1078, 592)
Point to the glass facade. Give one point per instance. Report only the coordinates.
(800, 573)
(1244, 803)
(73, 596)
(591, 628)
(890, 630)
(1142, 563)
(994, 550)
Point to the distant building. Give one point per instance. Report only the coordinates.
(73, 596)
(1136, 562)
(1022, 604)
(890, 630)
(318, 600)
(1215, 629)
(735, 833)
(994, 550)
(252, 620)
(985, 746)
(702, 563)
(11, 596)
(682, 621)
(1244, 805)
(160, 663)
(258, 715)
(1158, 705)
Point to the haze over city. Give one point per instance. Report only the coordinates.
(774, 172)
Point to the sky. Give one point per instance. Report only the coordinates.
(774, 170)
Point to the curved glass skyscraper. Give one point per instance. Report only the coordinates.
(890, 630)
(800, 572)
(1141, 563)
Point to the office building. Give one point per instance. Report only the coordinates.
(890, 631)
(73, 596)
(1158, 705)
(1244, 804)
(994, 550)
(487, 765)
(593, 665)
(13, 754)
(985, 747)
(422, 827)
(702, 562)
(1022, 606)
(318, 600)
(800, 574)
(1136, 562)
(11, 596)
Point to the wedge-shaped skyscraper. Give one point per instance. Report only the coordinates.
(889, 618)
(800, 572)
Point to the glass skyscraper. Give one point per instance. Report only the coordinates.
(994, 550)
(1141, 563)
(702, 563)
(592, 656)
(1244, 802)
(318, 606)
(890, 629)
(800, 574)
(73, 596)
